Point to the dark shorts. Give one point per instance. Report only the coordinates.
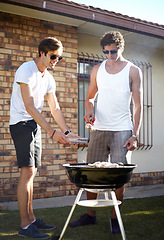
(108, 145)
(27, 140)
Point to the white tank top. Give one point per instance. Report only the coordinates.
(114, 97)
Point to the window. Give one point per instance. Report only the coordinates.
(85, 65)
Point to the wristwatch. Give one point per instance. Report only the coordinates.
(135, 137)
(68, 131)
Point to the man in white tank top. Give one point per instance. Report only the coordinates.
(115, 80)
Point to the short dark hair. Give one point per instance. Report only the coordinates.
(113, 37)
(49, 44)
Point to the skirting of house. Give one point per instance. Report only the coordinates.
(137, 179)
(147, 178)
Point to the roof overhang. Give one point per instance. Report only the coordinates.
(90, 21)
(79, 12)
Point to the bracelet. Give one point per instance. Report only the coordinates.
(135, 137)
(53, 133)
(68, 131)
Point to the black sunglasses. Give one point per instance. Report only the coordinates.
(53, 57)
(111, 51)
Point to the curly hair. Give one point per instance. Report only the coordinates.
(113, 37)
(49, 44)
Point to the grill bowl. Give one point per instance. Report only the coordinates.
(84, 176)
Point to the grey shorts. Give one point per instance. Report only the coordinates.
(105, 145)
(27, 140)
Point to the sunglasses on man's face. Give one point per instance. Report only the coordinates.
(53, 57)
(112, 52)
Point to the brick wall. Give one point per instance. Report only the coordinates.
(147, 178)
(19, 39)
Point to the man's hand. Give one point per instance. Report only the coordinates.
(131, 143)
(71, 134)
(89, 118)
(59, 137)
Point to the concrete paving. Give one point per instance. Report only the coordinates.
(131, 192)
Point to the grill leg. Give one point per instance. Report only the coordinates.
(113, 195)
(71, 212)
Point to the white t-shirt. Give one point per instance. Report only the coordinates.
(28, 73)
(114, 97)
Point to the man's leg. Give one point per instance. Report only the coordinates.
(119, 195)
(30, 208)
(97, 151)
(90, 217)
(91, 196)
(118, 154)
(25, 185)
(23, 195)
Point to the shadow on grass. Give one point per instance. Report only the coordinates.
(143, 219)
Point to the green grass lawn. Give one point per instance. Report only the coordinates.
(143, 219)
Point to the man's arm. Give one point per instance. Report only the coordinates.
(92, 90)
(38, 117)
(58, 115)
(137, 93)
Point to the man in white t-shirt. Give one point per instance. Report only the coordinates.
(31, 84)
(115, 80)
